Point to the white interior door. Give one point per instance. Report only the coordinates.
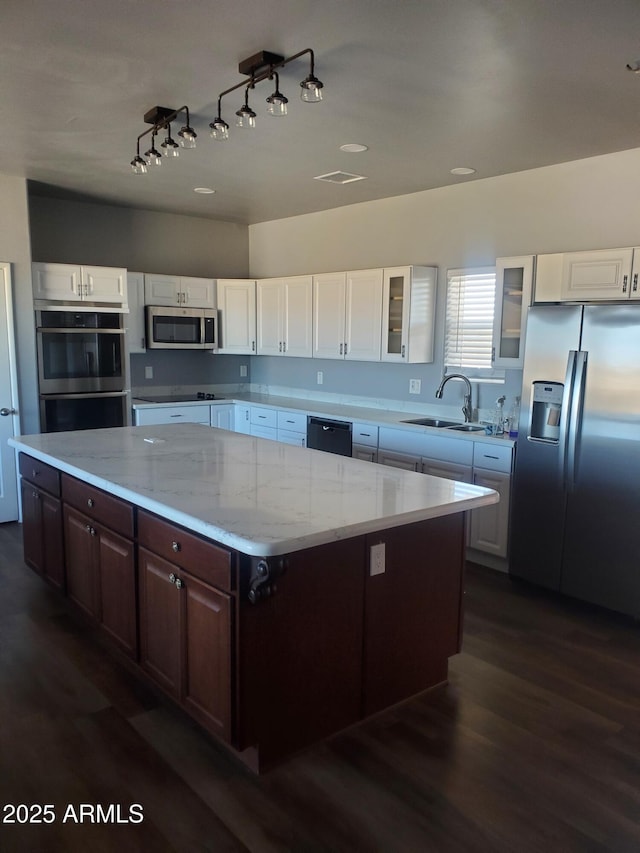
(9, 419)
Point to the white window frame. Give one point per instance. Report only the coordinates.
(469, 327)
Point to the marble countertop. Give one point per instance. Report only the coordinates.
(258, 496)
(322, 408)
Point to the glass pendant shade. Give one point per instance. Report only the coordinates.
(311, 89)
(153, 155)
(187, 137)
(170, 148)
(219, 129)
(245, 117)
(139, 165)
(277, 104)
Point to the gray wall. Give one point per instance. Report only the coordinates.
(141, 240)
(195, 369)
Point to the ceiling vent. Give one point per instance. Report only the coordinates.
(339, 178)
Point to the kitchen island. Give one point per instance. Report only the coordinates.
(278, 594)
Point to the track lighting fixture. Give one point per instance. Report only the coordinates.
(262, 66)
(160, 119)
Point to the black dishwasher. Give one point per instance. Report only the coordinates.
(332, 436)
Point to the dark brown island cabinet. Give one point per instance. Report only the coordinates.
(268, 654)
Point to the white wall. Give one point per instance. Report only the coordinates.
(585, 204)
(15, 249)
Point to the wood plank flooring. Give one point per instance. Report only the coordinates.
(534, 745)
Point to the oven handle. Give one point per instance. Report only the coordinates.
(87, 395)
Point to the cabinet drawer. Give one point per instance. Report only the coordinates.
(40, 474)
(98, 505)
(208, 562)
(289, 436)
(494, 457)
(264, 417)
(200, 414)
(365, 434)
(292, 421)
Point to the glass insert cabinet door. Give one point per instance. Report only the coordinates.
(514, 278)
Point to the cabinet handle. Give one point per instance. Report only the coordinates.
(624, 283)
(284, 346)
(280, 347)
(402, 352)
(253, 346)
(179, 583)
(176, 546)
(340, 349)
(90, 530)
(172, 578)
(35, 495)
(34, 473)
(635, 282)
(346, 348)
(90, 502)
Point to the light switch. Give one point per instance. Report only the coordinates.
(148, 372)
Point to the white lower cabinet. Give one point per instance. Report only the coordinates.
(173, 415)
(223, 416)
(489, 526)
(406, 461)
(447, 470)
(364, 452)
(264, 423)
(242, 419)
(292, 428)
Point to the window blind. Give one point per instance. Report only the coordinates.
(469, 317)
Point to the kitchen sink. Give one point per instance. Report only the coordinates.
(432, 422)
(468, 427)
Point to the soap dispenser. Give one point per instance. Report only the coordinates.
(498, 417)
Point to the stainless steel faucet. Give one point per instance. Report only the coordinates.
(466, 406)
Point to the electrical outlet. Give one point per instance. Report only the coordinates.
(376, 559)
(243, 370)
(319, 377)
(414, 386)
(148, 372)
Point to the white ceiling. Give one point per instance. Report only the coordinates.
(428, 85)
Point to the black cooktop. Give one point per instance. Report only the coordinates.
(178, 398)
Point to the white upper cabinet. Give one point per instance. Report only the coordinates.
(363, 316)
(237, 316)
(408, 314)
(584, 276)
(73, 283)
(514, 280)
(284, 316)
(347, 315)
(328, 314)
(135, 329)
(172, 290)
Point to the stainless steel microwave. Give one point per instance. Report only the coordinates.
(181, 328)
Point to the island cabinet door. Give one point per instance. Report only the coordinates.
(42, 533)
(412, 608)
(80, 560)
(100, 568)
(206, 674)
(160, 621)
(185, 640)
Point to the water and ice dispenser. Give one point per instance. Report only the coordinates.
(546, 411)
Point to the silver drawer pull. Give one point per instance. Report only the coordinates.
(172, 578)
(176, 546)
(90, 502)
(179, 583)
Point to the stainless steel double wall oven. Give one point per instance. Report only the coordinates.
(82, 369)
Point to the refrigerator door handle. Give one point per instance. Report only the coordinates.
(563, 437)
(575, 419)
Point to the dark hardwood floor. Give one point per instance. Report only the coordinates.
(534, 745)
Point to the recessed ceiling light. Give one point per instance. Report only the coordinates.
(463, 170)
(353, 148)
(339, 177)
(203, 190)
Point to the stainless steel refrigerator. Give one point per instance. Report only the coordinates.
(575, 519)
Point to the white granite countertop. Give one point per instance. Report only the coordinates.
(323, 408)
(258, 496)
